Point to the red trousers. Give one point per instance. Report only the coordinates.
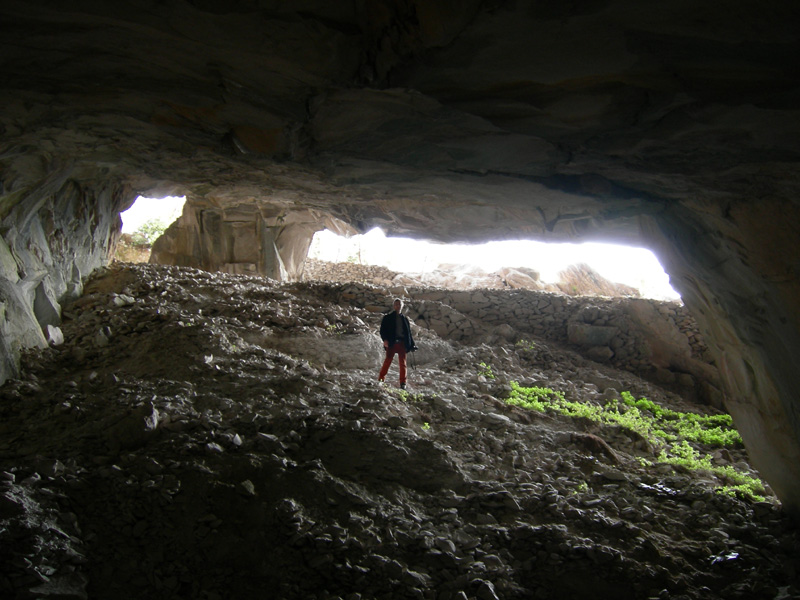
(400, 349)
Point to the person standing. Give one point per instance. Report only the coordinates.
(396, 336)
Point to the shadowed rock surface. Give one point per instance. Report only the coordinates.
(673, 125)
(171, 448)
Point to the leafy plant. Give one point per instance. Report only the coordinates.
(486, 370)
(670, 431)
(426, 426)
(526, 344)
(745, 491)
(685, 455)
(406, 396)
(714, 430)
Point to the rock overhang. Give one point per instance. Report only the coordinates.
(673, 125)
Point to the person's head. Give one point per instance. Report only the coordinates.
(398, 304)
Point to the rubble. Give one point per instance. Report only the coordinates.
(576, 280)
(205, 435)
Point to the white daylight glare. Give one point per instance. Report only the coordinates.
(636, 267)
(144, 209)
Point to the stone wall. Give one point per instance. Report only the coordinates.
(320, 270)
(654, 339)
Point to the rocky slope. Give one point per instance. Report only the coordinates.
(673, 128)
(576, 280)
(176, 445)
(128, 250)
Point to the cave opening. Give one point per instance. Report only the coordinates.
(143, 223)
(155, 213)
(211, 427)
(433, 263)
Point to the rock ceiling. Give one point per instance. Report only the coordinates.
(672, 125)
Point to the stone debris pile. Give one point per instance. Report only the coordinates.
(345, 272)
(573, 281)
(656, 340)
(175, 445)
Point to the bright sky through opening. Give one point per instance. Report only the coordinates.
(636, 267)
(143, 209)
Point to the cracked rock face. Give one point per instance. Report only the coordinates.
(673, 126)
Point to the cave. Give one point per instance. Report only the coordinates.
(673, 127)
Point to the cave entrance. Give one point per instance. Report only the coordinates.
(143, 223)
(434, 262)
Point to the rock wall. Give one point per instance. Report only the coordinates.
(239, 240)
(54, 234)
(738, 271)
(656, 340)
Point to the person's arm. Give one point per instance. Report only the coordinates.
(384, 332)
(409, 338)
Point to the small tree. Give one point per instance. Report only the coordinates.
(149, 231)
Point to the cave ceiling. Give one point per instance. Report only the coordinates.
(673, 125)
(437, 119)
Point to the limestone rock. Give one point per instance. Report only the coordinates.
(582, 280)
(674, 127)
(54, 335)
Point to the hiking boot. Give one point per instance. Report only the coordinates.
(402, 385)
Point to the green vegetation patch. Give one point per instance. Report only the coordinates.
(670, 431)
(485, 370)
(526, 345)
(406, 396)
(148, 232)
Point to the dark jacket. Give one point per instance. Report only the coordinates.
(389, 331)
